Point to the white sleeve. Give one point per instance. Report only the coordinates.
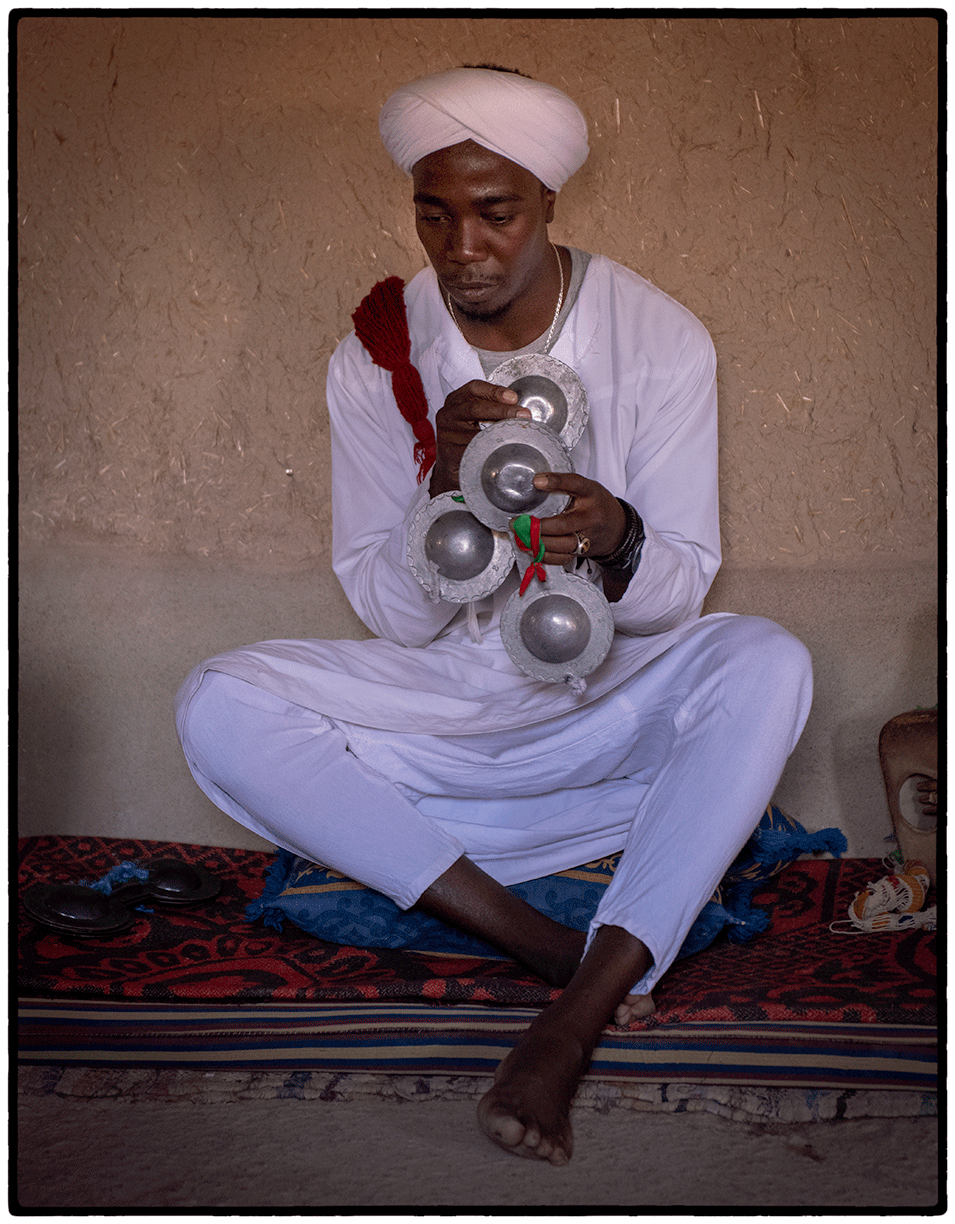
(672, 483)
(375, 494)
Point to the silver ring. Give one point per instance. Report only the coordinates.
(583, 545)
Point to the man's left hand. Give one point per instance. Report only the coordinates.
(594, 515)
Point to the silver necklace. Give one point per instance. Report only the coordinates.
(560, 302)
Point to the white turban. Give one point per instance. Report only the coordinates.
(525, 121)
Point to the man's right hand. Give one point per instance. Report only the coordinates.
(459, 420)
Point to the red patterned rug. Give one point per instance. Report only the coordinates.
(796, 971)
(200, 987)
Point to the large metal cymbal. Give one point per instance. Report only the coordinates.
(551, 391)
(558, 630)
(454, 554)
(499, 466)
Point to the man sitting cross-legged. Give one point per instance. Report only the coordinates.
(427, 765)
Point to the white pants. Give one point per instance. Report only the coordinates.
(674, 767)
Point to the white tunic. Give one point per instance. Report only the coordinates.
(388, 759)
(649, 370)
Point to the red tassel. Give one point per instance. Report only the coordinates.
(536, 549)
(381, 324)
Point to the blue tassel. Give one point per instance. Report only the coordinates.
(121, 874)
(745, 921)
(711, 919)
(776, 845)
(743, 932)
(276, 879)
(271, 916)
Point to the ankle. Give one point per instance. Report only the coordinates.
(614, 961)
(555, 1041)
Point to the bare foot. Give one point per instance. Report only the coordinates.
(634, 1007)
(527, 1112)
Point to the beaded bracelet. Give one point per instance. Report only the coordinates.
(633, 537)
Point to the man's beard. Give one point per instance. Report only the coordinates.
(479, 315)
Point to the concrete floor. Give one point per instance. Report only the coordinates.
(255, 1156)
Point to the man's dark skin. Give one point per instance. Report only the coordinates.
(483, 222)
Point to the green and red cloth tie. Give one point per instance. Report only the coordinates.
(527, 533)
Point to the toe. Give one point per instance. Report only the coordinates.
(634, 1007)
(532, 1139)
(554, 1150)
(560, 1148)
(502, 1128)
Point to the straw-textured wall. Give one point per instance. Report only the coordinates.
(202, 201)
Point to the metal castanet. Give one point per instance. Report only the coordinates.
(560, 629)
(498, 469)
(550, 390)
(454, 555)
(82, 909)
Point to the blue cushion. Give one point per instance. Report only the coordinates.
(339, 910)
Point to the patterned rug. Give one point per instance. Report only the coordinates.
(202, 986)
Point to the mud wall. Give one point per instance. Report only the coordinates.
(202, 201)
